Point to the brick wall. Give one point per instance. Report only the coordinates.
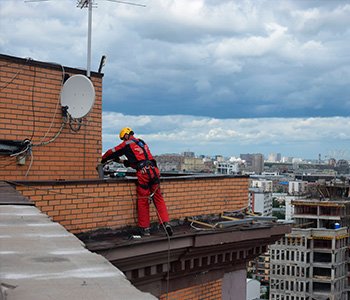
(89, 205)
(30, 109)
(199, 196)
(208, 291)
(83, 206)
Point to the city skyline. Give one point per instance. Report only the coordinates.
(209, 136)
(284, 159)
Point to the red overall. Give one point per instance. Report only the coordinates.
(141, 159)
(148, 182)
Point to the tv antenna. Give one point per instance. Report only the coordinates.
(89, 4)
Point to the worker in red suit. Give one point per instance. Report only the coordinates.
(140, 158)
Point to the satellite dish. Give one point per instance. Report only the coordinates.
(78, 93)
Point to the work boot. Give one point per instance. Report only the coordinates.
(168, 228)
(145, 231)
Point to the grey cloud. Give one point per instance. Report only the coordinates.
(217, 60)
(324, 19)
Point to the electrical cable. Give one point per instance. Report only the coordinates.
(14, 77)
(57, 104)
(10, 163)
(84, 152)
(72, 121)
(41, 143)
(85, 126)
(31, 162)
(16, 154)
(33, 110)
(26, 141)
(53, 138)
(33, 87)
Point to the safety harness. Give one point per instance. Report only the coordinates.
(145, 166)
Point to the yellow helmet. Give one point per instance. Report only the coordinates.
(124, 131)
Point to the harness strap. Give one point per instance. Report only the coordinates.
(152, 180)
(149, 185)
(144, 186)
(142, 164)
(145, 165)
(139, 143)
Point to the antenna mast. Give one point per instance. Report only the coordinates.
(88, 68)
(88, 4)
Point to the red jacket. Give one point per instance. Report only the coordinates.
(136, 151)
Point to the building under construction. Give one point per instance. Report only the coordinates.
(312, 261)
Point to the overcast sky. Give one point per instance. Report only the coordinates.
(209, 76)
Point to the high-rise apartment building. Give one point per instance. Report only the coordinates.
(227, 167)
(312, 261)
(297, 187)
(254, 162)
(259, 268)
(310, 264)
(260, 202)
(274, 157)
(265, 185)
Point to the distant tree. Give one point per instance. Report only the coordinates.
(275, 203)
(266, 295)
(279, 189)
(279, 215)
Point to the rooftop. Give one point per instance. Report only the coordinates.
(41, 260)
(41, 253)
